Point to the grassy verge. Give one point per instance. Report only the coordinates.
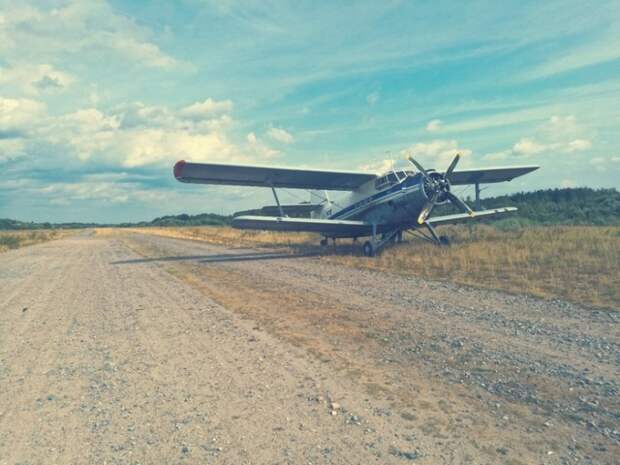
(16, 239)
(575, 263)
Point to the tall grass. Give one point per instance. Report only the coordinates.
(16, 239)
(576, 263)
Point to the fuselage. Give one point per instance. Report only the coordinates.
(396, 198)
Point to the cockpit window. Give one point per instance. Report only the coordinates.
(386, 181)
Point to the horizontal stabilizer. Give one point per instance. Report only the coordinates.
(460, 217)
(301, 210)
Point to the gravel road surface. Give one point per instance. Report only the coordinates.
(132, 348)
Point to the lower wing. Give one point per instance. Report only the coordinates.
(339, 228)
(344, 228)
(460, 217)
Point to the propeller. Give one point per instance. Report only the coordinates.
(439, 187)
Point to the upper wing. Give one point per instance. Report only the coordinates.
(488, 175)
(460, 217)
(244, 175)
(340, 228)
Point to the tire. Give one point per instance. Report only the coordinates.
(323, 242)
(369, 249)
(444, 241)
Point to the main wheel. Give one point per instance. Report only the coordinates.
(369, 249)
(444, 241)
(323, 242)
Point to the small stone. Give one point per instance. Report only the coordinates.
(335, 405)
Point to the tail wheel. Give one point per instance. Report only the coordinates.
(444, 241)
(369, 249)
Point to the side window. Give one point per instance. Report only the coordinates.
(381, 183)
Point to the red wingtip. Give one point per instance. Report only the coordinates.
(178, 168)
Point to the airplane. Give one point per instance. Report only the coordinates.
(379, 206)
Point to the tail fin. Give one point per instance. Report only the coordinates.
(319, 197)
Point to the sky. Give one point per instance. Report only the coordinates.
(98, 99)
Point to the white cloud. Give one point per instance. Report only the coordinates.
(34, 79)
(131, 136)
(528, 147)
(206, 109)
(19, 115)
(556, 136)
(34, 34)
(280, 135)
(258, 148)
(603, 49)
(379, 166)
(434, 125)
(437, 154)
(578, 145)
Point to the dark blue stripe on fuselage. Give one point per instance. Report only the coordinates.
(409, 182)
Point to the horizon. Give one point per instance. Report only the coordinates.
(98, 100)
(468, 198)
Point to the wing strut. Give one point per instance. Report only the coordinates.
(273, 189)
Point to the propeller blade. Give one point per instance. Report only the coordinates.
(428, 206)
(460, 204)
(418, 166)
(456, 159)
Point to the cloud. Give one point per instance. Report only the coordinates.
(34, 79)
(528, 147)
(434, 125)
(602, 49)
(556, 136)
(379, 166)
(280, 135)
(32, 34)
(131, 136)
(437, 154)
(258, 148)
(206, 109)
(20, 115)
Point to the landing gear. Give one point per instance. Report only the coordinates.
(441, 241)
(369, 249)
(323, 242)
(374, 246)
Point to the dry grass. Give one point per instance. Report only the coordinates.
(229, 237)
(16, 239)
(580, 264)
(576, 263)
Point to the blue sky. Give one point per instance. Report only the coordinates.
(99, 99)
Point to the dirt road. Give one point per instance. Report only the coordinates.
(142, 349)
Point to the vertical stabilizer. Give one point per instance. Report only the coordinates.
(319, 197)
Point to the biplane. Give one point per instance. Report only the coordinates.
(378, 206)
